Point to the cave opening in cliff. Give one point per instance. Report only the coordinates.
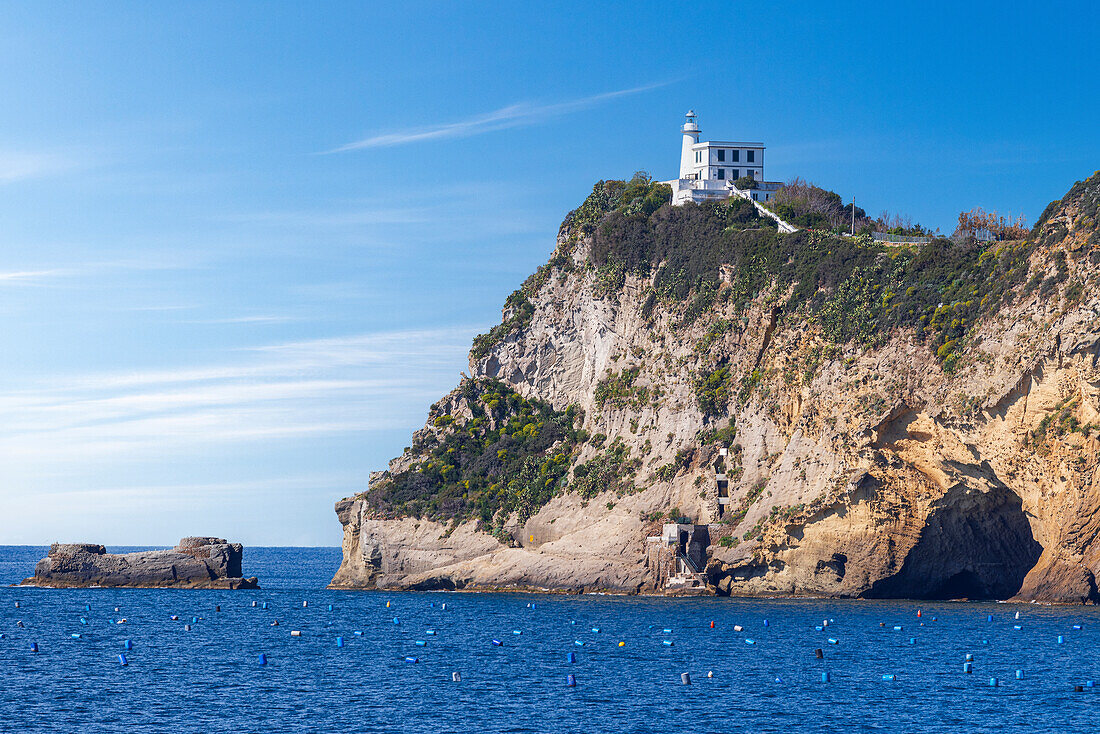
(974, 545)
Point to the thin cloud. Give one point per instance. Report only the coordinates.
(18, 165)
(516, 115)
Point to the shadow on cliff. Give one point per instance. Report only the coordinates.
(975, 545)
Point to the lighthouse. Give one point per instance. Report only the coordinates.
(690, 132)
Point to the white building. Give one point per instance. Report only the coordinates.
(708, 170)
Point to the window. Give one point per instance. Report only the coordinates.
(751, 157)
(736, 155)
(721, 156)
(697, 155)
(735, 174)
(751, 174)
(721, 174)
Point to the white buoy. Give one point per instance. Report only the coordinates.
(685, 678)
(710, 673)
(295, 633)
(456, 677)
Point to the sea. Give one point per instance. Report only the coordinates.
(370, 661)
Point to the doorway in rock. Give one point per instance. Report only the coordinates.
(974, 545)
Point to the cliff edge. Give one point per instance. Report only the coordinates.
(843, 417)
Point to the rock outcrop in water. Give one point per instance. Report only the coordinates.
(850, 419)
(196, 563)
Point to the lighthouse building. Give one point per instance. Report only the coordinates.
(709, 170)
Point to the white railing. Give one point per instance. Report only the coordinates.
(900, 239)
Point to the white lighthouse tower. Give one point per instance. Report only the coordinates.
(690, 131)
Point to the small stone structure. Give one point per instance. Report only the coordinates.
(198, 563)
(677, 558)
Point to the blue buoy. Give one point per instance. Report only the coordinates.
(571, 657)
(516, 632)
(1089, 684)
(968, 667)
(969, 657)
(87, 607)
(412, 660)
(263, 659)
(834, 641)
(1019, 675)
(174, 617)
(421, 643)
(3, 636)
(912, 640)
(989, 618)
(339, 642)
(75, 635)
(264, 605)
(765, 623)
(127, 645)
(1061, 639)
(121, 659)
(685, 678)
(396, 620)
(667, 643)
(824, 677)
(1076, 626)
(578, 643)
(83, 621)
(993, 682)
(429, 632)
(330, 607)
(889, 676)
(497, 643)
(357, 633)
(34, 647)
(750, 641)
(571, 681)
(595, 629)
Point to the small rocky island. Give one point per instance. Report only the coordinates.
(196, 563)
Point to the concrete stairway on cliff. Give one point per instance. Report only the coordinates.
(784, 227)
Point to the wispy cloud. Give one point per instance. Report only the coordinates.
(293, 389)
(21, 165)
(515, 115)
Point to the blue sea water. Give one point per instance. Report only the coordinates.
(208, 679)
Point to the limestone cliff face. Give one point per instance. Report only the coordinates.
(871, 467)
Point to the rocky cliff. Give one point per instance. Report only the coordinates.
(849, 419)
(199, 563)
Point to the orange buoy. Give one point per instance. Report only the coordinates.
(712, 625)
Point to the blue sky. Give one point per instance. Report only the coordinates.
(244, 246)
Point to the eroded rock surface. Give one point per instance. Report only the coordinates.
(206, 563)
(872, 469)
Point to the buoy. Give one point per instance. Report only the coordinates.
(710, 673)
(330, 607)
(1076, 626)
(34, 647)
(174, 617)
(993, 682)
(918, 613)
(1078, 689)
(749, 641)
(912, 640)
(263, 659)
(497, 643)
(127, 645)
(517, 632)
(667, 631)
(16, 605)
(87, 607)
(75, 635)
(83, 621)
(194, 620)
(622, 644)
(571, 681)
(1061, 639)
(396, 620)
(819, 654)
(969, 657)
(295, 633)
(412, 660)
(186, 628)
(571, 657)
(253, 603)
(666, 643)
(217, 607)
(1017, 615)
(1017, 627)
(737, 628)
(420, 643)
(889, 676)
(989, 618)
(19, 624)
(264, 605)
(1019, 673)
(765, 623)
(121, 659)
(456, 677)
(712, 624)
(339, 642)
(274, 623)
(305, 604)
(387, 605)
(578, 643)
(824, 677)
(444, 605)
(596, 629)
(1089, 684)
(897, 628)
(357, 633)
(834, 641)
(968, 667)
(685, 678)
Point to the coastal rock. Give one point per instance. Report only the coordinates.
(886, 467)
(196, 563)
